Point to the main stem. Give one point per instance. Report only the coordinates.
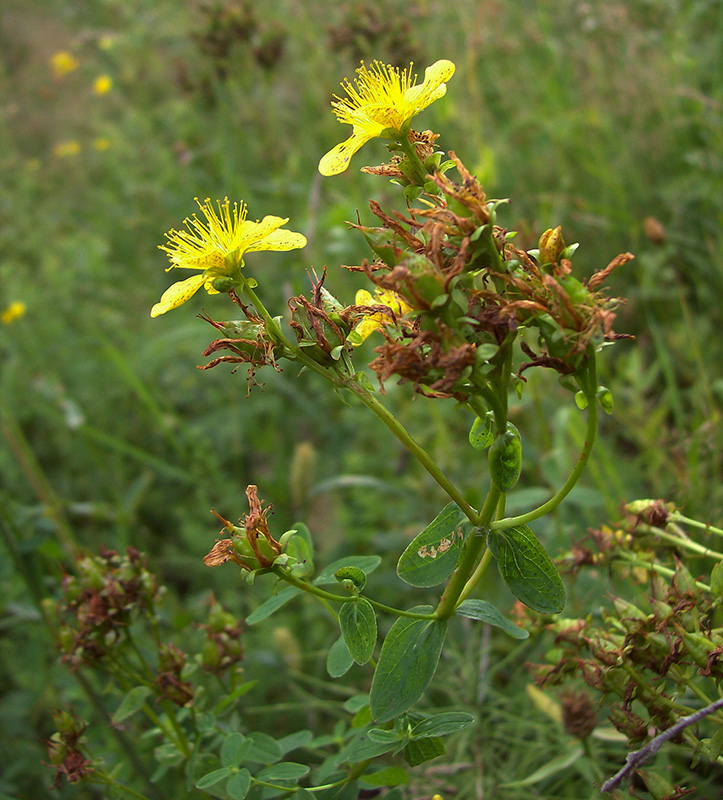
(414, 448)
(567, 487)
(476, 543)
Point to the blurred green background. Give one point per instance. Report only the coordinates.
(603, 117)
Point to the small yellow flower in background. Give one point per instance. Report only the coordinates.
(381, 297)
(66, 149)
(100, 144)
(216, 246)
(102, 84)
(107, 41)
(63, 62)
(381, 104)
(14, 311)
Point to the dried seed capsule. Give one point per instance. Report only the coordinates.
(505, 458)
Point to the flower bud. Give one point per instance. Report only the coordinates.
(551, 245)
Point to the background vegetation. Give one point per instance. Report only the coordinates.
(604, 117)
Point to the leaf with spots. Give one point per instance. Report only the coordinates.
(432, 555)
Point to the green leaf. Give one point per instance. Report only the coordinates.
(485, 612)
(715, 744)
(294, 741)
(420, 750)
(359, 628)
(264, 749)
(559, 764)
(133, 701)
(214, 777)
(389, 776)
(168, 754)
(431, 557)
(482, 432)
(339, 660)
(442, 724)
(239, 691)
(233, 749)
(362, 717)
(366, 564)
(238, 786)
(383, 736)
(361, 749)
(406, 665)
(527, 569)
(716, 581)
(284, 771)
(272, 604)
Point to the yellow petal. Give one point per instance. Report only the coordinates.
(365, 327)
(279, 240)
(435, 78)
(177, 294)
(338, 158)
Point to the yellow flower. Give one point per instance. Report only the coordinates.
(381, 104)
(66, 149)
(215, 247)
(382, 297)
(102, 84)
(14, 311)
(63, 62)
(101, 143)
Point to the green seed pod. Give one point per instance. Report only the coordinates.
(505, 458)
(351, 578)
(223, 283)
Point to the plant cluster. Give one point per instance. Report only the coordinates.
(452, 299)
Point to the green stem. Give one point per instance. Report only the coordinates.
(337, 598)
(278, 335)
(104, 779)
(661, 570)
(567, 487)
(476, 576)
(686, 544)
(410, 151)
(492, 401)
(470, 558)
(413, 446)
(676, 516)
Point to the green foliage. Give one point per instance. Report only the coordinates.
(527, 569)
(107, 437)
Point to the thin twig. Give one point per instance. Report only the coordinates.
(638, 757)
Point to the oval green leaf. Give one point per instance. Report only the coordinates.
(389, 776)
(214, 777)
(238, 785)
(233, 749)
(339, 660)
(442, 724)
(274, 603)
(420, 750)
(284, 771)
(431, 557)
(132, 702)
(482, 432)
(407, 664)
(527, 569)
(485, 612)
(359, 628)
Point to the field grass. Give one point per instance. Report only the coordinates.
(604, 117)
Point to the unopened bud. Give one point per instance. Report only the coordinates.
(551, 245)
